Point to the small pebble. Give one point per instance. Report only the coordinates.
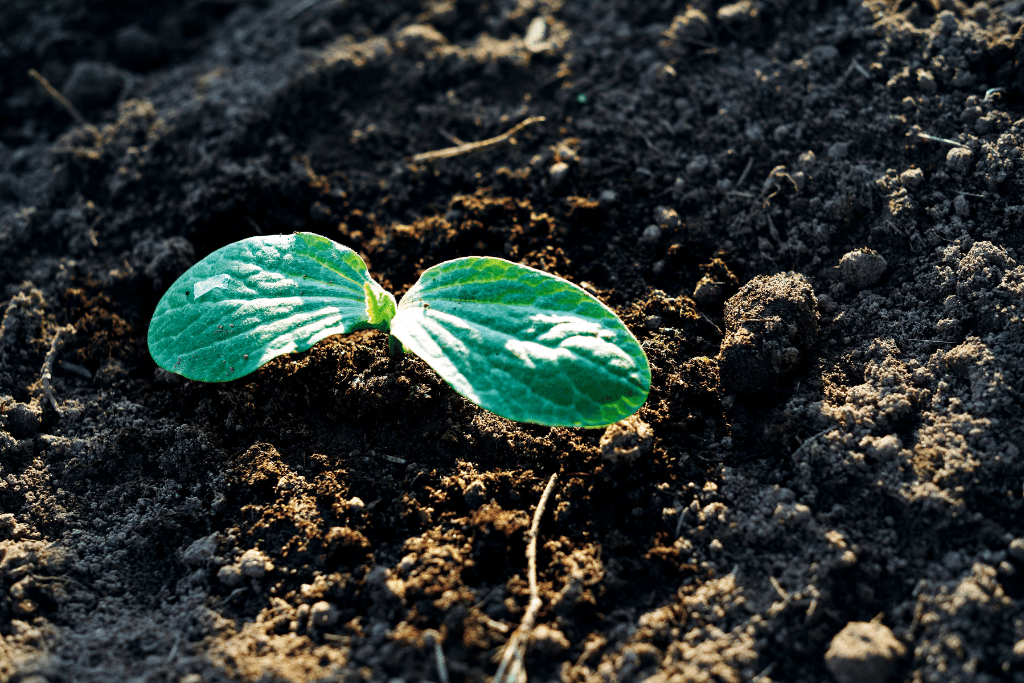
(652, 322)
(1016, 549)
(863, 652)
(806, 160)
(881, 448)
(667, 218)
(442, 12)
(627, 440)
(419, 39)
(230, 575)
(709, 292)
(34, 678)
(837, 151)
(959, 160)
(254, 564)
(23, 420)
(475, 493)
(94, 84)
(862, 268)
(201, 551)
(607, 197)
(740, 18)
(549, 641)
(110, 371)
(536, 33)
(692, 25)
(559, 171)
(770, 323)
(651, 235)
(697, 165)
(926, 81)
(961, 206)
(947, 19)
(346, 546)
(301, 616)
(323, 615)
(826, 305)
(912, 177)
(136, 47)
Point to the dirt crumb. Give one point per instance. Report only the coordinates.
(863, 651)
(862, 268)
(770, 324)
(626, 440)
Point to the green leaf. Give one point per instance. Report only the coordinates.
(524, 344)
(256, 299)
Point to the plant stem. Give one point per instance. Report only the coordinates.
(395, 347)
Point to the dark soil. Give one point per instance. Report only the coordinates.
(831, 298)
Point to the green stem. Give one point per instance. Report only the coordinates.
(395, 348)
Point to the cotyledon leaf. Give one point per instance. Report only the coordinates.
(259, 298)
(524, 344)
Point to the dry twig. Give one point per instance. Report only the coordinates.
(509, 670)
(807, 442)
(746, 172)
(3, 321)
(467, 147)
(51, 356)
(935, 138)
(434, 638)
(63, 101)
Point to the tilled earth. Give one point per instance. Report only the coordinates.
(811, 214)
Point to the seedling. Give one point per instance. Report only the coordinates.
(516, 341)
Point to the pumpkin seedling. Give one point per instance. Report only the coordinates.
(517, 341)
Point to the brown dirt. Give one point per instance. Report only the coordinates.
(839, 443)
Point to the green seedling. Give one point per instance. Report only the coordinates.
(519, 342)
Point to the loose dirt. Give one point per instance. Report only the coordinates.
(811, 215)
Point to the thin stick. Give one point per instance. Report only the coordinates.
(467, 147)
(679, 522)
(711, 322)
(61, 100)
(51, 355)
(3, 321)
(254, 224)
(300, 8)
(174, 650)
(767, 670)
(992, 93)
(433, 637)
(450, 138)
(935, 138)
(746, 172)
(515, 644)
(854, 66)
(3, 328)
(807, 441)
